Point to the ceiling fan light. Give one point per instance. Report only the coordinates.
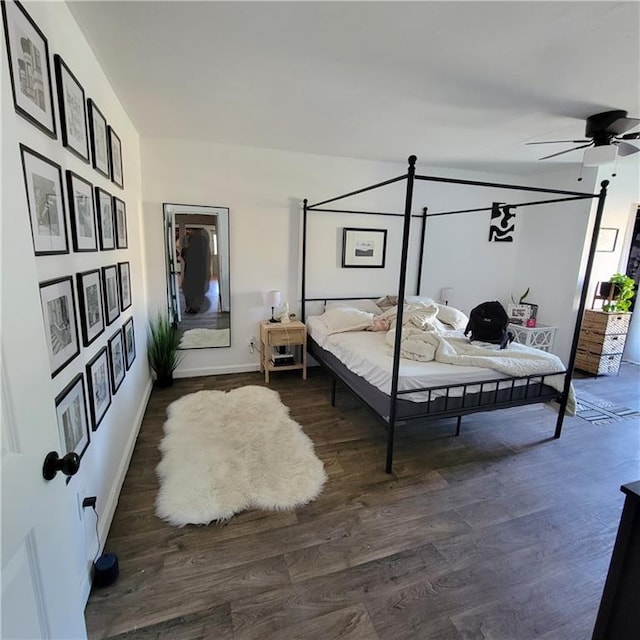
(597, 156)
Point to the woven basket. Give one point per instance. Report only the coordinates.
(597, 364)
(603, 322)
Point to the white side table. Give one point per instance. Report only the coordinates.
(541, 337)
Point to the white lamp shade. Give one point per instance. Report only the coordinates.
(597, 156)
(273, 298)
(446, 293)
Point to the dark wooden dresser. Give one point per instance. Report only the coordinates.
(619, 613)
(601, 342)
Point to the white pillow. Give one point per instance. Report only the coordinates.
(452, 316)
(363, 305)
(342, 319)
(423, 299)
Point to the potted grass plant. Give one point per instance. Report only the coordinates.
(163, 341)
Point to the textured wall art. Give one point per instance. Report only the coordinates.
(503, 223)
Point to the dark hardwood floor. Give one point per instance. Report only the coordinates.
(502, 533)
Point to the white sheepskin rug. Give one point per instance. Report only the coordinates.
(224, 452)
(199, 338)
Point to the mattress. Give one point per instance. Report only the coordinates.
(366, 354)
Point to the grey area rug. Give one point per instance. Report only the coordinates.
(599, 411)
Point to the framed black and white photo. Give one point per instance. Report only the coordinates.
(59, 314)
(71, 411)
(106, 229)
(607, 238)
(28, 55)
(124, 278)
(72, 109)
(43, 182)
(129, 343)
(120, 214)
(98, 138)
(115, 153)
(116, 360)
(502, 226)
(98, 387)
(111, 298)
(364, 247)
(82, 213)
(90, 301)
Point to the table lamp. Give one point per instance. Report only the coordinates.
(273, 300)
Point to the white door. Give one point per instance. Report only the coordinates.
(41, 591)
(41, 595)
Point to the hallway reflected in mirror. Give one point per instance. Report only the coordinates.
(197, 260)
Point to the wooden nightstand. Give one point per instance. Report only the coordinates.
(291, 338)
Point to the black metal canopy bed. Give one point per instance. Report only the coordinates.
(399, 391)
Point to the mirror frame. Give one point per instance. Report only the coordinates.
(172, 267)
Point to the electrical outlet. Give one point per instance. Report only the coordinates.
(252, 344)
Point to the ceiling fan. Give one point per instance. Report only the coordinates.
(604, 129)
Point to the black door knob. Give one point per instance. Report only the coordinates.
(68, 464)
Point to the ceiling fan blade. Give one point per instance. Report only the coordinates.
(553, 155)
(558, 141)
(630, 136)
(621, 125)
(626, 149)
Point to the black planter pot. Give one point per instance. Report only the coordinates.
(164, 381)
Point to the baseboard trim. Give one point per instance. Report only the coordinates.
(215, 371)
(106, 517)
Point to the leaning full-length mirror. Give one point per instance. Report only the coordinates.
(197, 263)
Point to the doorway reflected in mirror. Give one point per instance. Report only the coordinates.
(197, 263)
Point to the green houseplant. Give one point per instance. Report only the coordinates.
(623, 292)
(163, 341)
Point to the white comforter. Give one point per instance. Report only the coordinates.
(454, 348)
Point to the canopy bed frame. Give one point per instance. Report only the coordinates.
(450, 400)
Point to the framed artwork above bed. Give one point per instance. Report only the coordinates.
(364, 248)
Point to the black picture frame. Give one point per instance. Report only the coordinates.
(99, 387)
(71, 413)
(45, 202)
(117, 368)
(363, 248)
(98, 139)
(29, 71)
(111, 295)
(84, 232)
(129, 336)
(124, 280)
(106, 226)
(59, 316)
(91, 305)
(115, 157)
(120, 220)
(72, 108)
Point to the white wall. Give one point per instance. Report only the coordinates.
(623, 199)
(105, 462)
(264, 190)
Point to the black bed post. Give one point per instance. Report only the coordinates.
(304, 259)
(422, 236)
(583, 298)
(401, 288)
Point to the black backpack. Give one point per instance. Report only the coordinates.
(488, 322)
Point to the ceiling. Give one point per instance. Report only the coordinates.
(459, 84)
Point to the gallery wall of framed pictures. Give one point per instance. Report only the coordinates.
(77, 209)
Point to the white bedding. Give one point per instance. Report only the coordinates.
(366, 354)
